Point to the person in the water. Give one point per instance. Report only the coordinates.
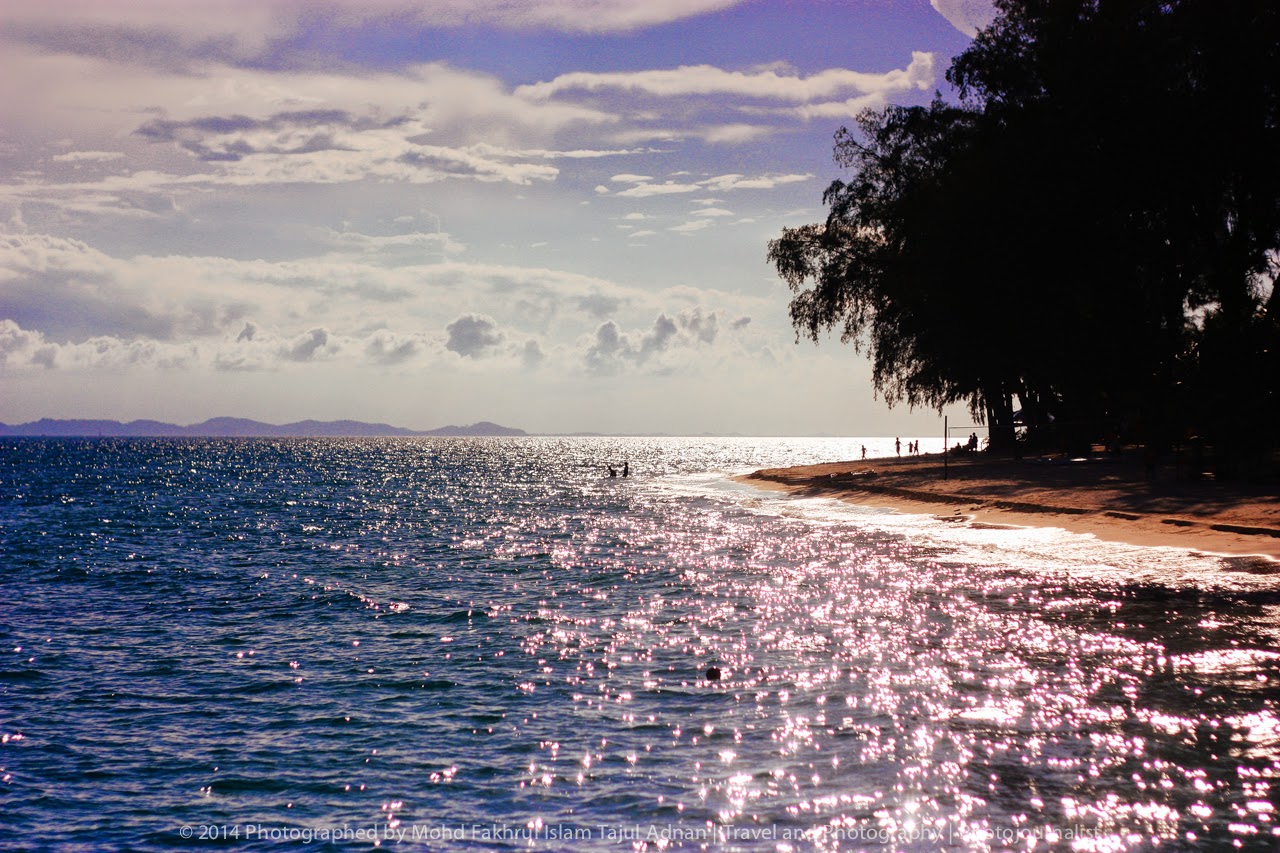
(626, 468)
(613, 472)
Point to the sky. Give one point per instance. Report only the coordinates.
(553, 215)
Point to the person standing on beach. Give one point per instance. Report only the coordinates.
(626, 468)
(897, 446)
(864, 451)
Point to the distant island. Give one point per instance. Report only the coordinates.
(237, 428)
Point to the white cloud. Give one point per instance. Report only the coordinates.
(531, 355)
(732, 134)
(840, 109)
(24, 348)
(17, 342)
(259, 315)
(389, 249)
(648, 190)
(764, 84)
(691, 226)
(724, 183)
(386, 347)
(642, 188)
(163, 32)
(473, 335)
(681, 342)
(87, 156)
(426, 123)
(308, 346)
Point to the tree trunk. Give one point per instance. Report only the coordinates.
(1000, 428)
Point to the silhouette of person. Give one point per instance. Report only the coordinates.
(973, 441)
(864, 451)
(613, 472)
(626, 468)
(897, 446)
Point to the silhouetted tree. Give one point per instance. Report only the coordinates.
(1088, 231)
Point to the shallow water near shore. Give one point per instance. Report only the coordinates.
(491, 644)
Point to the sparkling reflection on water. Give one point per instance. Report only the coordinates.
(490, 644)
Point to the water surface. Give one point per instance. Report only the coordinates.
(490, 644)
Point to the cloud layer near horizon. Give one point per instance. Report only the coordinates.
(191, 191)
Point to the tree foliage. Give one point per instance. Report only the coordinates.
(1091, 233)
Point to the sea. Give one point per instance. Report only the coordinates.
(491, 644)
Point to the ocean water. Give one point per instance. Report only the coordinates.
(487, 644)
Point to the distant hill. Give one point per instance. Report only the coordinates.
(481, 428)
(238, 428)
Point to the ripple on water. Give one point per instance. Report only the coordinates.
(442, 633)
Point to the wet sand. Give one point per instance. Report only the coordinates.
(1112, 499)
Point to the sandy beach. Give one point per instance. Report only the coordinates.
(1111, 498)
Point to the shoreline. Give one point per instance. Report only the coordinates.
(1112, 499)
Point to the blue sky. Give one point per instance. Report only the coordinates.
(553, 215)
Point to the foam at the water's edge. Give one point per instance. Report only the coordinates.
(1045, 547)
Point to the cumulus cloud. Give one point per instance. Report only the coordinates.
(385, 347)
(658, 338)
(602, 356)
(17, 343)
(272, 350)
(531, 355)
(67, 290)
(21, 348)
(703, 327)
(267, 315)
(307, 346)
(472, 335)
(611, 350)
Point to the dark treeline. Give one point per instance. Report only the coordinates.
(1088, 239)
